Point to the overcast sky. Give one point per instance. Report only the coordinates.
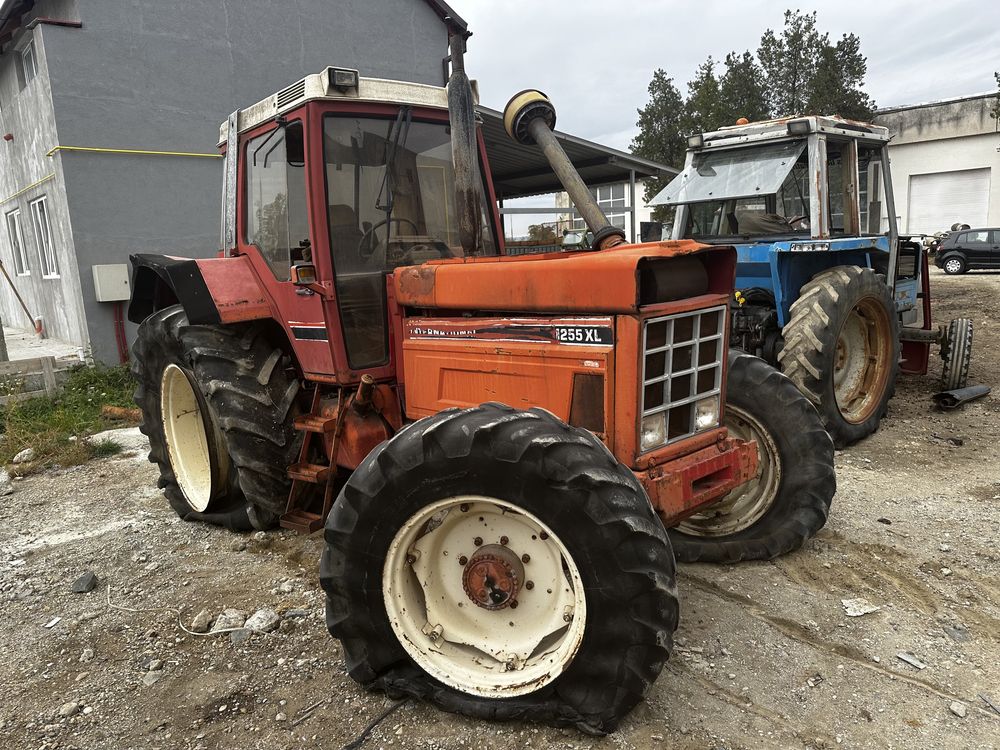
(595, 58)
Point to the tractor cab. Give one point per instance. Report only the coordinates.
(825, 287)
(782, 188)
(344, 179)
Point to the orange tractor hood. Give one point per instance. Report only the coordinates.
(604, 281)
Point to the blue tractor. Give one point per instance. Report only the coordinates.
(827, 289)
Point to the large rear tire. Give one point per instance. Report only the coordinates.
(789, 499)
(842, 350)
(217, 405)
(535, 499)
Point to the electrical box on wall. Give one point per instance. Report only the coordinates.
(111, 282)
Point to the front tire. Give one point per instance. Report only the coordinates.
(789, 499)
(842, 350)
(217, 404)
(495, 489)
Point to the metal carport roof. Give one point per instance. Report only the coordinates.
(519, 171)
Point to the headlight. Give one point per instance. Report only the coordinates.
(706, 413)
(653, 431)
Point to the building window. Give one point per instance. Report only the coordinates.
(46, 253)
(611, 199)
(29, 66)
(17, 242)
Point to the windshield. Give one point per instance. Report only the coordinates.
(780, 208)
(390, 202)
(736, 173)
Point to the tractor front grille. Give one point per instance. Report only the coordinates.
(682, 362)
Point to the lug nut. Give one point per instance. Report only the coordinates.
(464, 507)
(478, 541)
(410, 559)
(543, 535)
(525, 558)
(463, 560)
(568, 617)
(529, 585)
(513, 604)
(504, 540)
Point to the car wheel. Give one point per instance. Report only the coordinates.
(954, 265)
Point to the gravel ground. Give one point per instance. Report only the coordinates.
(766, 655)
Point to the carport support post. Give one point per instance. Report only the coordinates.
(631, 187)
(3, 344)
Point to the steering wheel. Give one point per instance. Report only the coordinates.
(796, 219)
(366, 248)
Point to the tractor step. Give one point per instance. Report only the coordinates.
(315, 423)
(307, 472)
(301, 521)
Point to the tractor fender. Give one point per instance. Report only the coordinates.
(211, 290)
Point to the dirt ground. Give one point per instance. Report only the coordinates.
(766, 656)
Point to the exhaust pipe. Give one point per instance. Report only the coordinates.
(529, 118)
(462, 118)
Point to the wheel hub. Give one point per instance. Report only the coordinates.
(493, 576)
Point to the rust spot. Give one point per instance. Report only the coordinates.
(416, 282)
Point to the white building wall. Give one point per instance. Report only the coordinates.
(943, 137)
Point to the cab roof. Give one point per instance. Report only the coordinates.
(779, 128)
(321, 86)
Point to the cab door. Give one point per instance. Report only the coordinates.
(275, 233)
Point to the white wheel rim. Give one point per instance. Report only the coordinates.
(744, 506)
(186, 437)
(513, 650)
(953, 266)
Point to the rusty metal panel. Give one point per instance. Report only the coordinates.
(593, 282)
(234, 288)
(523, 362)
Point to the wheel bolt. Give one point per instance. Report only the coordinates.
(525, 557)
(529, 585)
(410, 559)
(463, 560)
(568, 617)
(464, 507)
(543, 535)
(478, 541)
(504, 540)
(513, 604)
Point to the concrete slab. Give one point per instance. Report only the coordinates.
(23, 344)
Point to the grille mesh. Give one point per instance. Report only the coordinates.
(681, 364)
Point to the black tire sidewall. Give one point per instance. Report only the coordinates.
(159, 345)
(576, 521)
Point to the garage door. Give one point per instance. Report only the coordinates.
(939, 200)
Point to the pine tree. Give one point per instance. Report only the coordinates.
(660, 128)
(703, 110)
(789, 61)
(741, 90)
(836, 87)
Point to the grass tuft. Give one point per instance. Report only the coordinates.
(46, 424)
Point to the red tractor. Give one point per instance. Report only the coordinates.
(507, 452)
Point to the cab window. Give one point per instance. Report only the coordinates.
(276, 216)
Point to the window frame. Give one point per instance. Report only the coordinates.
(43, 237)
(13, 221)
(27, 52)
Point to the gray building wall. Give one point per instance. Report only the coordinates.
(27, 115)
(162, 75)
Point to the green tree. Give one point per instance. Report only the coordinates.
(996, 107)
(741, 89)
(543, 234)
(789, 60)
(836, 86)
(660, 135)
(703, 108)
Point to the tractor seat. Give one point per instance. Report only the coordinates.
(345, 234)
